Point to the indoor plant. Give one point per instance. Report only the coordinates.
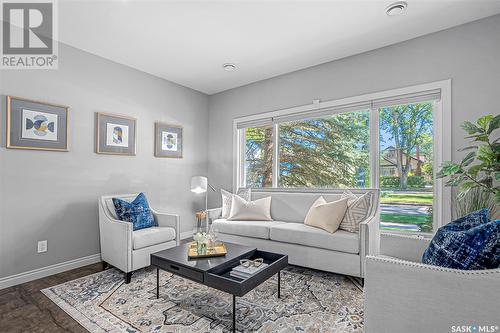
(479, 170)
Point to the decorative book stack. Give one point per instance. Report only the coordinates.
(245, 272)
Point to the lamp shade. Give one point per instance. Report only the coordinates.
(199, 184)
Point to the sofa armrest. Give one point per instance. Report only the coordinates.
(369, 238)
(116, 241)
(404, 296)
(214, 213)
(169, 220)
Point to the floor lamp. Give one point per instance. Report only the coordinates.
(199, 184)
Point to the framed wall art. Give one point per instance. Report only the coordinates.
(168, 140)
(36, 125)
(115, 134)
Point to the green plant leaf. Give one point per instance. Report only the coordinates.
(496, 148)
(448, 169)
(467, 186)
(482, 138)
(494, 124)
(468, 148)
(486, 154)
(474, 170)
(484, 122)
(455, 180)
(468, 159)
(470, 128)
(497, 176)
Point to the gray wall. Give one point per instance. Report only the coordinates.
(468, 54)
(53, 195)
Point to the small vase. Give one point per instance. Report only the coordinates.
(201, 248)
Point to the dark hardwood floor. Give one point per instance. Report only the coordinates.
(23, 308)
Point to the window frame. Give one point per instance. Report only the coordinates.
(442, 140)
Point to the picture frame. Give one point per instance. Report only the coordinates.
(36, 125)
(115, 134)
(168, 140)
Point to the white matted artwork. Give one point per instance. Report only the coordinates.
(168, 140)
(116, 135)
(37, 125)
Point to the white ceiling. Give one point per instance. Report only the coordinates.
(188, 41)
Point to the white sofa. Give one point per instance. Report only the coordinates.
(341, 252)
(404, 295)
(130, 250)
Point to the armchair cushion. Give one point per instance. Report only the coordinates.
(136, 212)
(152, 236)
(470, 243)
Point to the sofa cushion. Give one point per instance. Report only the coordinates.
(257, 210)
(326, 215)
(151, 236)
(227, 199)
(299, 233)
(358, 210)
(255, 229)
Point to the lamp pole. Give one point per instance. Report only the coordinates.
(206, 203)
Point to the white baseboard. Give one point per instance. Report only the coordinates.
(39, 273)
(186, 234)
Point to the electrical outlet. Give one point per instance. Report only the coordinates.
(42, 246)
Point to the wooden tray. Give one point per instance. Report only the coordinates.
(217, 251)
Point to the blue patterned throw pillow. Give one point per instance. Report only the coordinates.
(470, 243)
(136, 212)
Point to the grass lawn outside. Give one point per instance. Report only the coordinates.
(407, 198)
(423, 222)
(400, 218)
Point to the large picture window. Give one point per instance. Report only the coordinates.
(392, 141)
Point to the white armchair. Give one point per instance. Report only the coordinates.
(130, 250)
(403, 295)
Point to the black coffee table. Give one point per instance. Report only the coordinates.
(214, 272)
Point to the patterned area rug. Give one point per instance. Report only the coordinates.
(311, 301)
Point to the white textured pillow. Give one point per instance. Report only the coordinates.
(326, 215)
(258, 210)
(358, 210)
(227, 200)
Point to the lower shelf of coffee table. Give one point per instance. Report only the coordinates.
(220, 278)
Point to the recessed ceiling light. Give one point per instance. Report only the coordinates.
(229, 67)
(396, 8)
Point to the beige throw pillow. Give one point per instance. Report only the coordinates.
(358, 210)
(227, 199)
(326, 215)
(258, 210)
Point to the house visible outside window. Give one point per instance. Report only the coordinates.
(406, 167)
(388, 140)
